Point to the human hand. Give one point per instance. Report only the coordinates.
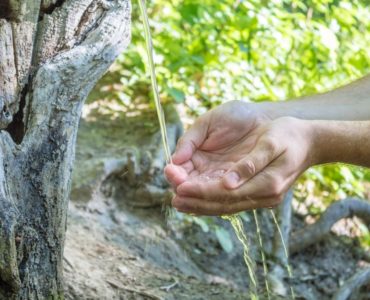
(215, 142)
(236, 158)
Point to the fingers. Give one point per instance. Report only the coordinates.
(210, 190)
(260, 157)
(190, 141)
(262, 191)
(268, 183)
(265, 189)
(207, 208)
(176, 175)
(214, 199)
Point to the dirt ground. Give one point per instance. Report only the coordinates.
(122, 255)
(115, 250)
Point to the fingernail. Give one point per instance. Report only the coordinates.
(232, 178)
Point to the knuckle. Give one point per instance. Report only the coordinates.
(275, 190)
(247, 167)
(275, 202)
(275, 187)
(270, 144)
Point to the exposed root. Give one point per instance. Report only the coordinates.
(314, 233)
(138, 177)
(353, 284)
(167, 288)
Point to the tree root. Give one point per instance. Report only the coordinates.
(137, 179)
(353, 284)
(314, 233)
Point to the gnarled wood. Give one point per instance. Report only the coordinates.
(51, 55)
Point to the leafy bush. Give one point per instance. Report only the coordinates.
(214, 51)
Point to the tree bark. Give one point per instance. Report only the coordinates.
(52, 52)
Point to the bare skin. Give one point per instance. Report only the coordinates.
(242, 156)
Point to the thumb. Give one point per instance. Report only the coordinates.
(191, 141)
(258, 159)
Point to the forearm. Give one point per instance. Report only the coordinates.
(341, 141)
(351, 102)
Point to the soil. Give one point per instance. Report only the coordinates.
(116, 250)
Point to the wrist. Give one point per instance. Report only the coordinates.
(275, 110)
(320, 142)
(340, 141)
(307, 139)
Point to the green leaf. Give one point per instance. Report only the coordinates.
(202, 223)
(224, 239)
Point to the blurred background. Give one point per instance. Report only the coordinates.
(209, 52)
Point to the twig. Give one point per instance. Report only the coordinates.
(167, 288)
(132, 290)
(68, 262)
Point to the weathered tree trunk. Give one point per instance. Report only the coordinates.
(51, 54)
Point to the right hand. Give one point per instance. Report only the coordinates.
(216, 141)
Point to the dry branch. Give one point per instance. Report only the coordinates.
(314, 233)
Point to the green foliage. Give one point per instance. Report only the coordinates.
(331, 182)
(213, 51)
(340, 180)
